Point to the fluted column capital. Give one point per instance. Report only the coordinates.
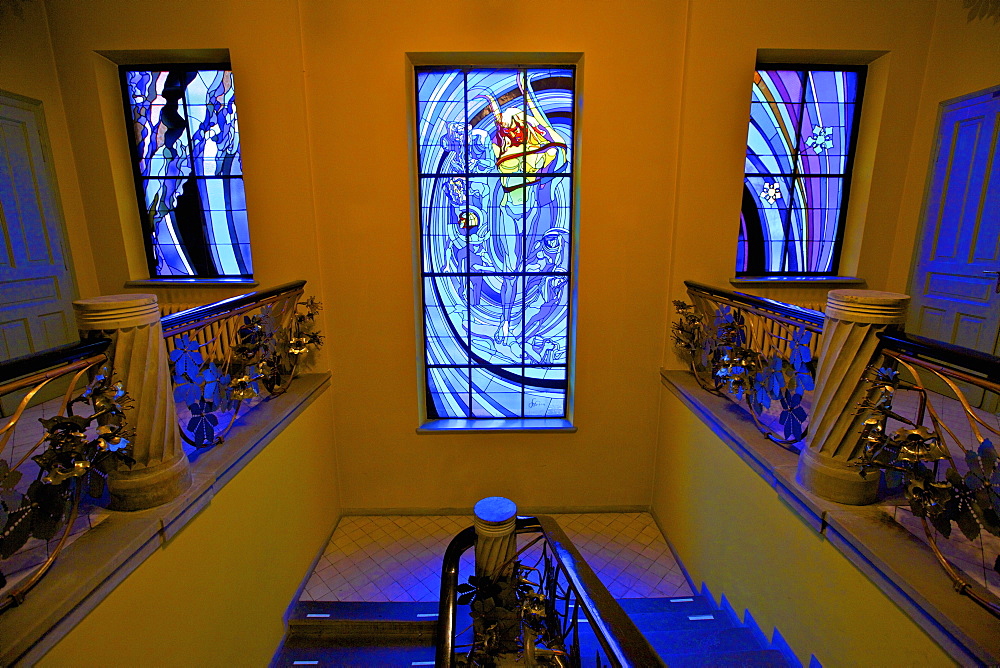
(111, 312)
(828, 465)
(139, 358)
(496, 543)
(872, 307)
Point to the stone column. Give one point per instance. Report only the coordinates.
(139, 358)
(496, 541)
(828, 466)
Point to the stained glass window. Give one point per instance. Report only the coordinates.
(496, 211)
(800, 147)
(188, 171)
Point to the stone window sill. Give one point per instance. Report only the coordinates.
(796, 281)
(554, 425)
(95, 563)
(901, 566)
(192, 283)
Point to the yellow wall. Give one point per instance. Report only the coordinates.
(359, 101)
(324, 91)
(963, 58)
(216, 592)
(732, 532)
(723, 45)
(28, 68)
(263, 40)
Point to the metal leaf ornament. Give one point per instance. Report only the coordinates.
(792, 415)
(70, 457)
(245, 386)
(918, 444)
(983, 481)
(186, 358)
(202, 424)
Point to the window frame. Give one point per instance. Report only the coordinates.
(429, 423)
(753, 270)
(137, 177)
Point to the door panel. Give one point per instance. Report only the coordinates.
(36, 288)
(953, 300)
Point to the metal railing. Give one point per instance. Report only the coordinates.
(228, 356)
(48, 466)
(943, 457)
(550, 615)
(759, 352)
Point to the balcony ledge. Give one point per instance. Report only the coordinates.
(897, 562)
(92, 566)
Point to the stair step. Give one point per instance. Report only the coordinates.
(762, 658)
(365, 610)
(705, 641)
(363, 632)
(692, 604)
(364, 623)
(300, 653)
(651, 622)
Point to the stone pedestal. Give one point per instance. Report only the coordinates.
(139, 358)
(496, 541)
(828, 466)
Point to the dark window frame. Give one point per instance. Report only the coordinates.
(137, 177)
(754, 248)
(430, 416)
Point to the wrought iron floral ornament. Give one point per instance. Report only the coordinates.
(918, 458)
(516, 619)
(217, 379)
(80, 450)
(731, 358)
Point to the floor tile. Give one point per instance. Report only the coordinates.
(398, 557)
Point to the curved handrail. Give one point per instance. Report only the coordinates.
(798, 314)
(621, 640)
(199, 316)
(982, 366)
(466, 538)
(20, 372)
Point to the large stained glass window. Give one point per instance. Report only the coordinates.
(800, 146)
(188, 171)
(496, 212)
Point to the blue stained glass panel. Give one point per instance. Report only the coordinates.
(448, 392)
(188, 168)
(496, 237)
(799, 142)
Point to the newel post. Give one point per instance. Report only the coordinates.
(496, 542)
(139, 358)
(828, 466)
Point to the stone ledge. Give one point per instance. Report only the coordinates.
(897, 562)
(93, 565)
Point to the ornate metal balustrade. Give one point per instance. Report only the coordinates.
(48, 467)
(759, 352)
(946, 465)
(534, 615)
(228, 356)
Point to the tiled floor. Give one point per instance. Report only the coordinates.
(398, 557)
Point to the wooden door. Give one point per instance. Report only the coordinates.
(36, 286)
(954, 299)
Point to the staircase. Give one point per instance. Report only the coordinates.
(642, 632)
(685, 632)
(690, 631)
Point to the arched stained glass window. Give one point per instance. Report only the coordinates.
(800, 148)
(188, 170)
(496, 212)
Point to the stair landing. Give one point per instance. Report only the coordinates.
(397, 558)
